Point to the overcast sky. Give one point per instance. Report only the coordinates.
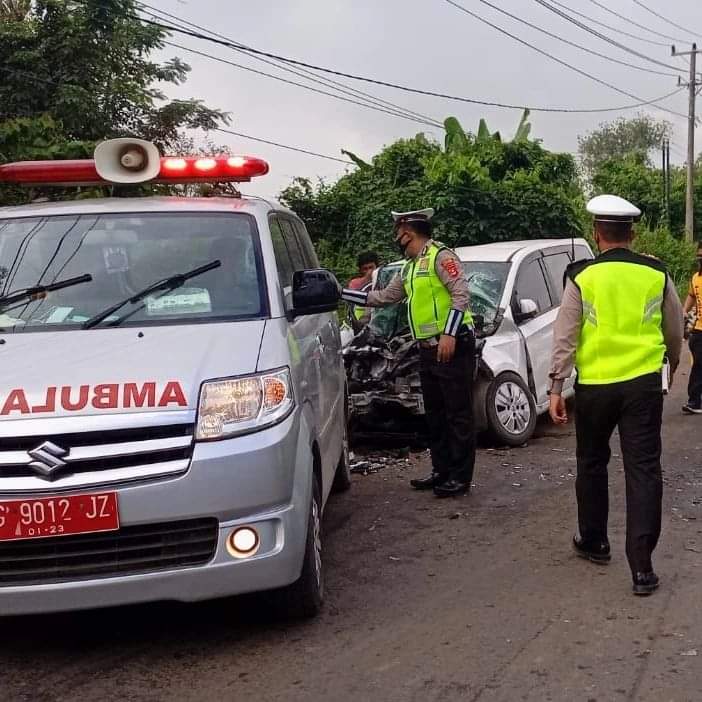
(426, 44)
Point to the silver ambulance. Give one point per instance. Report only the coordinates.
(172, 391)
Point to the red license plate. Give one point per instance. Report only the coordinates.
(58, 516)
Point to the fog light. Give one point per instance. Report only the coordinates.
(243, 542)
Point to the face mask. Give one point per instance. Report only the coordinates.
(402, 247)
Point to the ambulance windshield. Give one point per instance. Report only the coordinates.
(121, 255)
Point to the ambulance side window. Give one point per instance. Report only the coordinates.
(282, 257)
(310, 255)
(292, 245)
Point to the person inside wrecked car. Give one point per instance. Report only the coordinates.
(368, 263)
(619, 317)
(434, 284)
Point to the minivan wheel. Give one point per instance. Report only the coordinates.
(303, 599)
(511, 410)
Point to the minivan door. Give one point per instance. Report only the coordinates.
(536, 329)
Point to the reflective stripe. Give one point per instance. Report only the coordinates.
(354, 296)
(453, 323)
(431, 329)
(589, 313)
(652, 307)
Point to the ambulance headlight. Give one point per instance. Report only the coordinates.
(240, 405)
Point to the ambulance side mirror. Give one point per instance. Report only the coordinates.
(315, 291)
(528, 309)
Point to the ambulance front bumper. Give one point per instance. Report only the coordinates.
(261, 481)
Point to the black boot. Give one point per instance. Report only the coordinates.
(452, 488)
(595, 551)
(645, 583)
(426, 483)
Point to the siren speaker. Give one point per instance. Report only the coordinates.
(127, 160)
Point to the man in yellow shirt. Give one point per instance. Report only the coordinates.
(694, 302)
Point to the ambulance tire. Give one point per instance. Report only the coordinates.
(303, 599)
(510, 409)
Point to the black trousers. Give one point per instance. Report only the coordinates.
(448, 402)
(694, 387)
(636, 407)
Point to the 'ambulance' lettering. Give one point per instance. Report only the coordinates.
(106, 396)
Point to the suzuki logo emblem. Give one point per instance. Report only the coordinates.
(47, 460)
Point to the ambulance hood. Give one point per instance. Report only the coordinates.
(122, 370)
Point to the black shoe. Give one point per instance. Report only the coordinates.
(452, 488)
(691, 409)
(426, 483)
(595, 551)
(645, 584)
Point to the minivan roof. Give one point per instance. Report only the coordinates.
(118, 205)
(507, 250)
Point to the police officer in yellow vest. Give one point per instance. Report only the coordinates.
(434, 284)
(619, 318)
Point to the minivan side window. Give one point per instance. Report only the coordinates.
(282, 257)
(292, 245)
(556, 265)
(531, 285)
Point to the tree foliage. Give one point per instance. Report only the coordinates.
(621, 138)
(482, 188)
(86, 64)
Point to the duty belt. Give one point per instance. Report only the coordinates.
(433, 342)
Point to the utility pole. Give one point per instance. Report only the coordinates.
(666, 181)
(693, 84)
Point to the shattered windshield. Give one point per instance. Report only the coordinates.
(486, 280)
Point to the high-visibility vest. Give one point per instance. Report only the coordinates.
(621, 335)
(428, 300)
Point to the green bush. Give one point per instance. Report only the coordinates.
(678, 255)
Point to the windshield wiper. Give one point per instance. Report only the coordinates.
(39, 290)
(166, 285)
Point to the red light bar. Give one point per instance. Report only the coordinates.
(174, 170)
(197, 169)
(78, 172)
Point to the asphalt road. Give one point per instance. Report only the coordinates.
(472, 599)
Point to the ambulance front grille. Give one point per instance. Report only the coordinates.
(57, 462)
(131, 550)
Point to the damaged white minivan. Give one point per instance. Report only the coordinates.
(516, 289)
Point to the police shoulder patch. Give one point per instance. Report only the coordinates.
(450, 265)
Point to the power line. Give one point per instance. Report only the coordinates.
(572, 43)
(603, 37)
(308, 75)
(665, 19)
(554, 58)
(38, 78)
(609, 26)
(301, 85)
(640, 102)
(283, 146)
(631, 21)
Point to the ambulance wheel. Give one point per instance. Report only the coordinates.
(511, 410)
(303, 599)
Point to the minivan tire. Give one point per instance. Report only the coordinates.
(303, 599)
(515, 423)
